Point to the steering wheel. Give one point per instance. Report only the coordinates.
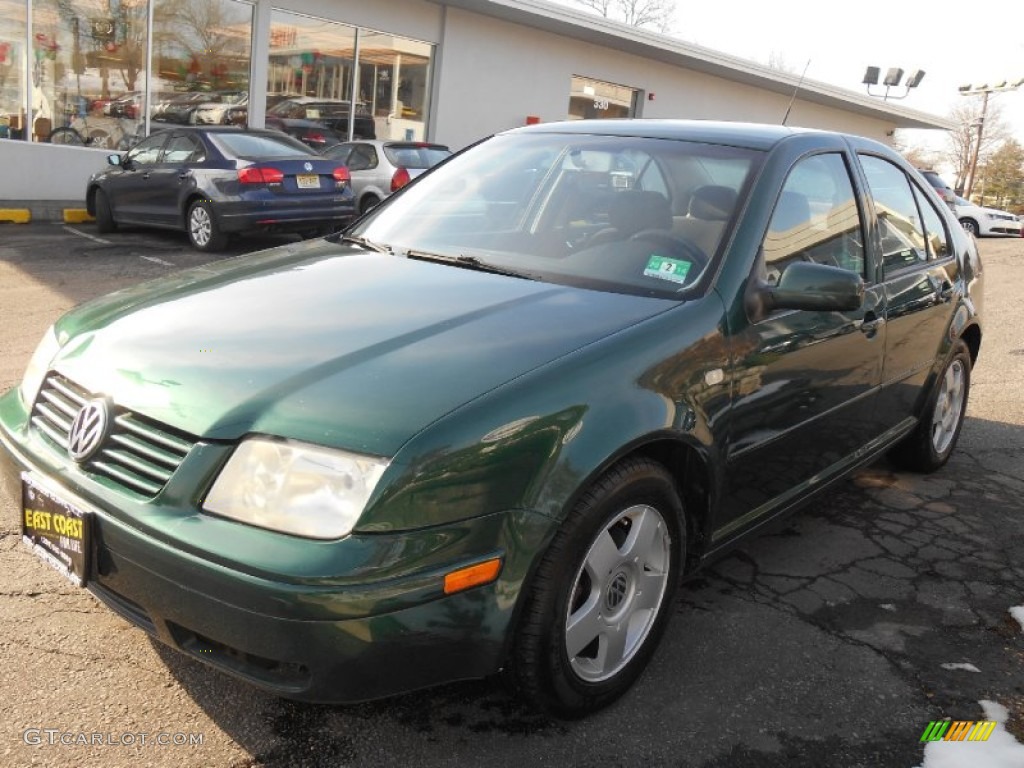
(675, 244)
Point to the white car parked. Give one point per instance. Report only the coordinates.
(378, 168)
(982, 221)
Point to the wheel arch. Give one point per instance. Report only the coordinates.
(189, 199)
(971, 336)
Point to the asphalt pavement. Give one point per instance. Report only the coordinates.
(831, 640)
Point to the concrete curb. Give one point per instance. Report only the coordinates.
(77, 216)
(68, 211)
(16, 215)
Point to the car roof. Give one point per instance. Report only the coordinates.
(752, 135)
(399, 143)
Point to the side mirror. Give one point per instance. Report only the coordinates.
(808, 286)
(114, 160)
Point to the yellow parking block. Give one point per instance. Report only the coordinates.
(16, 215)
(76, 216)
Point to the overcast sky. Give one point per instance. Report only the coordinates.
(954, 45)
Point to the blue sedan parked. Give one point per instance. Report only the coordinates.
(219, 180)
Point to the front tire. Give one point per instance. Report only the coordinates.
(970, 226)
(932, 442)
(601, 596)
(203, 231)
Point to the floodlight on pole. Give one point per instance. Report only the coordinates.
(893, 77)
(985, 90)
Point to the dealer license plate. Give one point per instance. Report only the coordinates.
(308, 182)
(56, 530)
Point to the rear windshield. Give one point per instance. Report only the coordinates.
(415, 156)
(250, 145)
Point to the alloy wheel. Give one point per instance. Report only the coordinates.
(617, 593)
(949, 407)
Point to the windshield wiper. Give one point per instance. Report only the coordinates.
(467, 262)
(362, 242)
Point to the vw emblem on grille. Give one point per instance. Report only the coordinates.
(308, 166)
(88, 430)
(616, 592)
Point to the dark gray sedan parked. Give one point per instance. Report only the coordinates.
(218, 180)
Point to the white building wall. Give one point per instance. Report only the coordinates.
(410, 18)
(494, 74)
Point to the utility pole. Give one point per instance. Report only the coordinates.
(985, 90)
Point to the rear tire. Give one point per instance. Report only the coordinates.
(104, 216)
(368, 202)
(203, 232)
(602, 594)
(932, 442)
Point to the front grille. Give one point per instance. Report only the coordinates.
(139, 454)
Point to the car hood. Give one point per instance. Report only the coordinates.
(323, 343)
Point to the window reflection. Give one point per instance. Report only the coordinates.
(85, 76)
(87, 56)
(815, 219)
(201, 54)
(12, 77)
(310, 77)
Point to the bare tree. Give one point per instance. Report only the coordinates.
(961, 141)
(653, 14)
(777, 61)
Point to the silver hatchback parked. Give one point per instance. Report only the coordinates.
(378, 168)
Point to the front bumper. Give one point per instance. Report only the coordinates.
(388, 630)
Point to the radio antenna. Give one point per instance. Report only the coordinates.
(793, 98)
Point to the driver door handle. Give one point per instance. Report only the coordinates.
(871, 323)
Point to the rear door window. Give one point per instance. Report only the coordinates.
(911, 230)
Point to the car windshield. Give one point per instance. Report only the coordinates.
(622, 214)
(251, 145)
(414, 156)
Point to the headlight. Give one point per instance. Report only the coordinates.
(38, 366)
(294, 487)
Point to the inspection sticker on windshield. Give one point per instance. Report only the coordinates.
(665, 268)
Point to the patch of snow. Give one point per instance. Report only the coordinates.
(1000, 751)
(961, 665)
(1018, 613)
(888, 607)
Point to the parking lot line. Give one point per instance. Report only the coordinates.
(155, 260)
(88, 236)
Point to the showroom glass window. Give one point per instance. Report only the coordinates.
(201, 52)
(815, 218)
(590, 99)
(12, 76)
(314, 59)
(86, 56)
(394, 84)
(909, 237)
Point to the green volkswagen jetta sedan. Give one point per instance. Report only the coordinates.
(490, 426)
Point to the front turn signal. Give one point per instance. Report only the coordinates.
(472, 576)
